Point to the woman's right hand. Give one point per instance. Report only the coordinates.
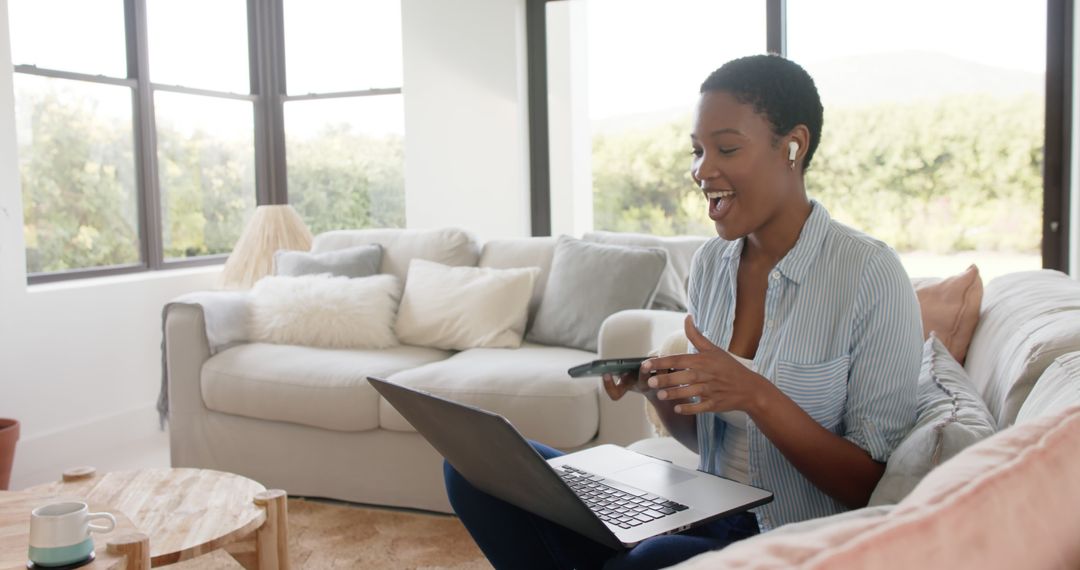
(628, 382)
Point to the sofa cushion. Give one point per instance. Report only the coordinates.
(951, 417)
(359, 261)
(671, 294)
(449, 246)
(522, 252)
(950, 308)
(1028, 319)
(588, 283)
(325, 311)
(528, 386)
(1057, 389)
(311, 386)
(457, 308)
(1008, 501)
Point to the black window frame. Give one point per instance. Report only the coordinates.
(1057, 148)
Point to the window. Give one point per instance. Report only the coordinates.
(344, 116)
(934, 127)
(142, 149)
(76, 137)
(641, 94)
(939, 137)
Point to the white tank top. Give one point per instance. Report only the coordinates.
(734, 446)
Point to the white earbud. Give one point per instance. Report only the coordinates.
(793, 149)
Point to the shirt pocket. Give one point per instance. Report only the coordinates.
(820, 389)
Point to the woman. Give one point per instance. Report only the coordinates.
(822, 332)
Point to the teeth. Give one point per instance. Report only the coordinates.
(720, 195)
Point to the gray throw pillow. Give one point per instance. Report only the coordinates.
(588, 283)
(359, 261)
(951, 416)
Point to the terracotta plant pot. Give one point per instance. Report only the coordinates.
(9, 434)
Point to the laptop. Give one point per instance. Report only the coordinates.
(610, 494)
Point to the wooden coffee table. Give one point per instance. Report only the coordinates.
(187, 512)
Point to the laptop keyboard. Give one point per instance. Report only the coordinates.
(622, 506)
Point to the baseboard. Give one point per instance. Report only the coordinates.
(128, 440)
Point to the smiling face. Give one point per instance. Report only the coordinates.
(743, 167)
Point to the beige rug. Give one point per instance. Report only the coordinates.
(331, 535)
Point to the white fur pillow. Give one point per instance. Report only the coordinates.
(325, 311)
(457, 308)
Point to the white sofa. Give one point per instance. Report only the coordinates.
(989, 506)
(306, 420)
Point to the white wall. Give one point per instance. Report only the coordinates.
(569, 137)
(80, 362)
(466, 116)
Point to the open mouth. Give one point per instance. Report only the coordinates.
(719, 201)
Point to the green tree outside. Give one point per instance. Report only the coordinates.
(962, 173)
(79, 193)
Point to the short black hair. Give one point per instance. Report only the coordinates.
(777, 88)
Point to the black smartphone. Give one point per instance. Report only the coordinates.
(616, 366)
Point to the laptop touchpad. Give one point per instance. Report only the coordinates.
(653, 475)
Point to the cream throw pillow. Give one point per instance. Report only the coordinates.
(325, 311)
(457, 308)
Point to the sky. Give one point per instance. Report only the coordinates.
(647, 55)
(189, 49)
(643, 55)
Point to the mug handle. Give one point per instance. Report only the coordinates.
(101, 528)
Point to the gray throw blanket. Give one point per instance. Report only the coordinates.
(226, 314)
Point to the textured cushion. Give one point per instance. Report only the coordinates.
(522, 252)
(950, 308)
(325, 311)
(312, 386)
(671, 294)
(588, 283)
(528, 386)
(951, 417)
(1057, 389)
(359, 261)
(449, 246)
(456, 308)
(1028, 319)
(1008, 501)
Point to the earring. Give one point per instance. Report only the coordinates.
(792, 165)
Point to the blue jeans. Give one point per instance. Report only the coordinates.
(516, 539)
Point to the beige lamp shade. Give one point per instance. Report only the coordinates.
(272, 227)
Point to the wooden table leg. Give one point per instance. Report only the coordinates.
(272, 538)
(135, 546)
(78, 474)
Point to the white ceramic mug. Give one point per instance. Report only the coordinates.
(60, 533)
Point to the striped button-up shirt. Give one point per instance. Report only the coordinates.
(842, 338)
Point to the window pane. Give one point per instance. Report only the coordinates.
(641, 93)
(342, 45)
(346, 161)
(206, 166)
(43, 33)
(77, 169)
(933, 133)
(190, 48)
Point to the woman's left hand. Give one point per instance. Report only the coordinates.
(720, 382)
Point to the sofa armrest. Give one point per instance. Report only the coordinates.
(186, 350)
(627, 334)
(196, 326)
(637, 332)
